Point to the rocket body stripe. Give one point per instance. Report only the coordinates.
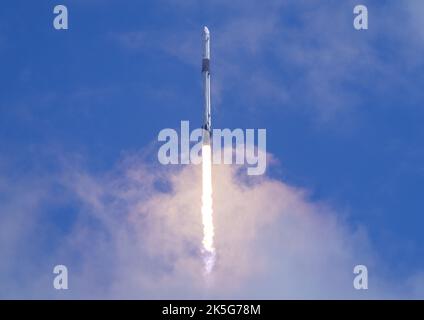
(205, 65)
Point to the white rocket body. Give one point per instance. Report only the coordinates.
(207, 125)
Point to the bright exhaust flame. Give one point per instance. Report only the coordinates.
(207, 212)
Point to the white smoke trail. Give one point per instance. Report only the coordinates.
(208, 249)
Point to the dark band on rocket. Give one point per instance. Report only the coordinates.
(205, 65)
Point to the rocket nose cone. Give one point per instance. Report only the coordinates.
(205, 31)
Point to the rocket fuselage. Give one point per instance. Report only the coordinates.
(207, 125)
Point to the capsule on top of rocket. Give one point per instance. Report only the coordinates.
(206, 50)
(206, 38)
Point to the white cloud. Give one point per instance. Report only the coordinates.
(138, 231)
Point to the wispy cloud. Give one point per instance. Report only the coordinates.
(296, 54)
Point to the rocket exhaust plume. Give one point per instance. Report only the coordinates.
(207, 211)
(208, 249)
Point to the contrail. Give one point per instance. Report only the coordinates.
(208, 248)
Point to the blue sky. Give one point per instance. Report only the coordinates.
(342, 108)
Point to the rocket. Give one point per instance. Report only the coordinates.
(207, 126)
